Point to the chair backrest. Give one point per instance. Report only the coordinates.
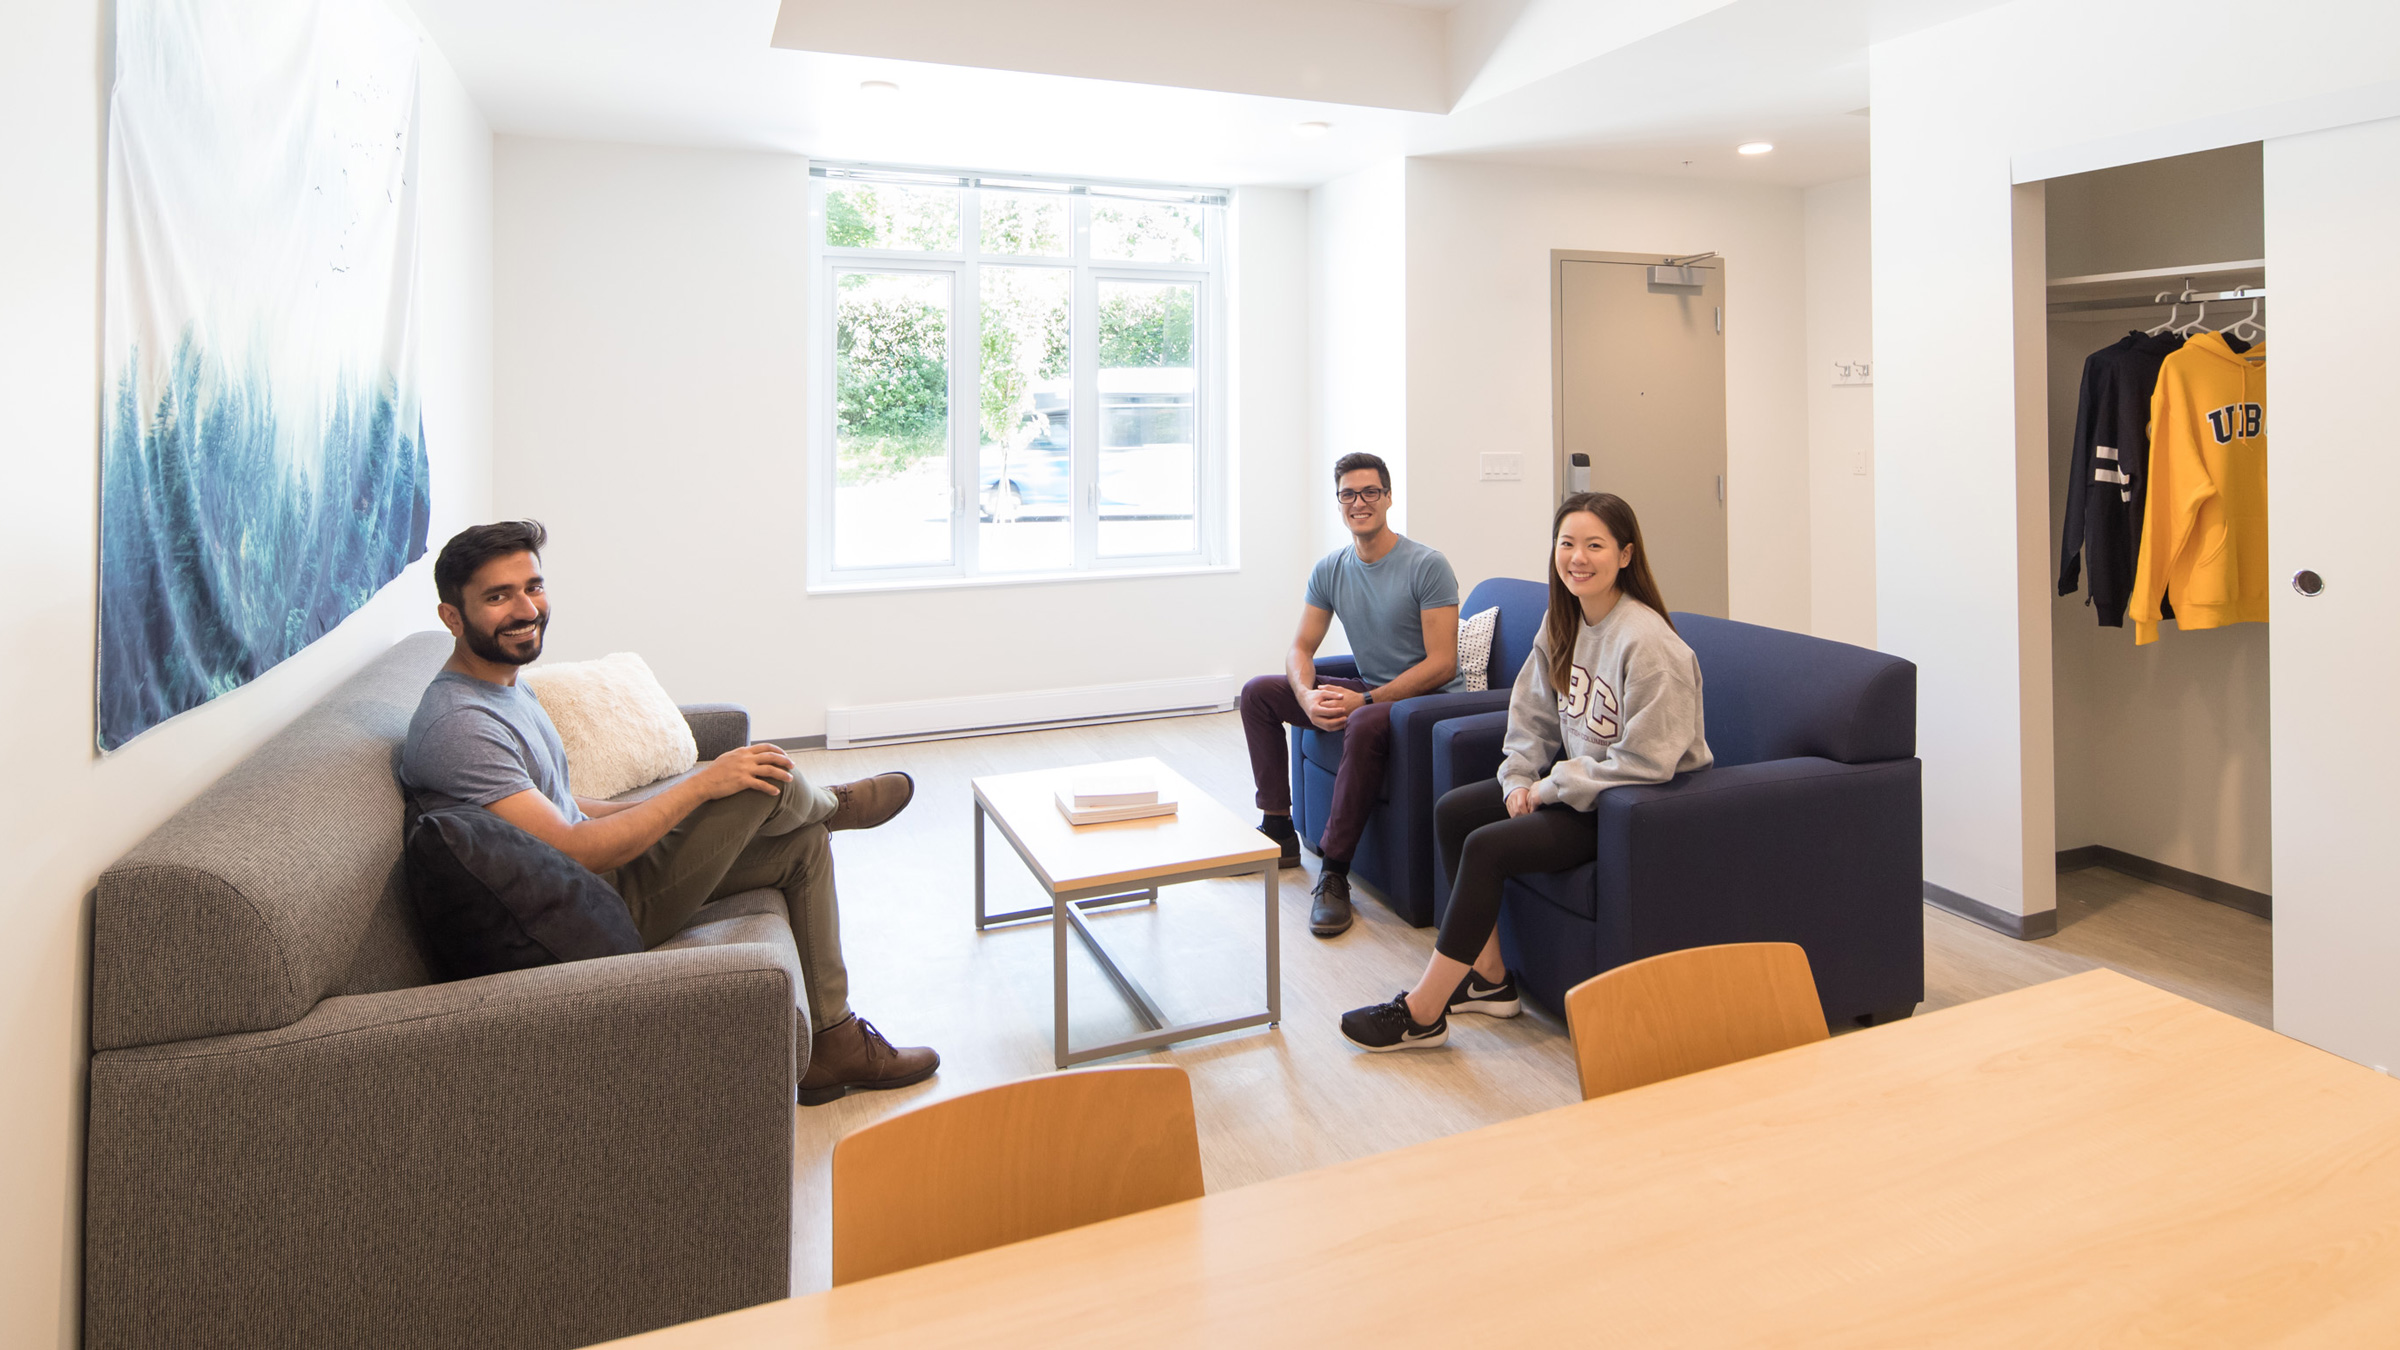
(279, 885)
(1771, 694)
(1010, 1163)
(1522, 605)
(1681, 1012)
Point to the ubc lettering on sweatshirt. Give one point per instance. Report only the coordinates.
(1630, 713)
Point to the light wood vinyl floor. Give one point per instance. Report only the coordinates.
(1271, 1102)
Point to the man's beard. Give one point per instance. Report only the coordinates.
(487, 645)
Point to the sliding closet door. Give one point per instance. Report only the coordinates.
(2332, 200)
(1641, 389)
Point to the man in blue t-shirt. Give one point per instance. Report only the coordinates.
(1398, 603)
(745, 820)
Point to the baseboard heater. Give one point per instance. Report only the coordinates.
(990, 714)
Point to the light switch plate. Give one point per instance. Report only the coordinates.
(1854, 372)
(1503, 466)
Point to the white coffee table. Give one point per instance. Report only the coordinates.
(1087, 866)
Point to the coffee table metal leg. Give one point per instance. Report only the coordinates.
(979, 916)
(1144, 1006)
(1059, 910)
(1274, 953)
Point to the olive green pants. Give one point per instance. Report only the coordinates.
(741, 843)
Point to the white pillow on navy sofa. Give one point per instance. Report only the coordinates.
(1475, 648)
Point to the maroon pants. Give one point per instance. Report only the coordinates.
(1268, 706)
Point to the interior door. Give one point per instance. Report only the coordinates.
(1641, 389)
(2332, 482)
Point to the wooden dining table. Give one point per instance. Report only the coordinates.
(2090, 1161)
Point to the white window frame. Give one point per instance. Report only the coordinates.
(1213, 544)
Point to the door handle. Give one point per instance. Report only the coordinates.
(1720, 489)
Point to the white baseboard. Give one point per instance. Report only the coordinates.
(942, 718)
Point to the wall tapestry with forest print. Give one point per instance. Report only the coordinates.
(262, 465)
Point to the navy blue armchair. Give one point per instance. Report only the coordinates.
(1808, 829)
(1395, 854)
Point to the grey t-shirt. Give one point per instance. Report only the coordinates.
(1379, 603)
(472, 744)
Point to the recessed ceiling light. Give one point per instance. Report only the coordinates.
(878, 88)
(1311, 128)
(1755, 147)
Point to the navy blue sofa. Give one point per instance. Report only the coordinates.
(1395, 855)
(1808, 829)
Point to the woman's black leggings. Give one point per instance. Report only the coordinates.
(1482, 846)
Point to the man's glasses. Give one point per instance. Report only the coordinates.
(1368, 495)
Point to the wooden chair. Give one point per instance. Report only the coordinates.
(1681, 1012)
(1010, 1163)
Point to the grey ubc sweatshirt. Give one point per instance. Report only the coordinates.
(1630, 712)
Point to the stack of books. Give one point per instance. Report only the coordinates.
(1094, 798)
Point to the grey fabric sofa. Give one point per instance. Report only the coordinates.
(297, 1139)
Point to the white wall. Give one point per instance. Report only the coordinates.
(1841, 418)
(1358, 355)
(1961, 489)
(651, 361)
(64, 813)
(1479, 238)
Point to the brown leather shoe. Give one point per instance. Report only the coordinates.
(869, 802)
(852, 1054)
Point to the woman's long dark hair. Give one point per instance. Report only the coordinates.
(1634, 579)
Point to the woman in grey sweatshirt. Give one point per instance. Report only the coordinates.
(1610, 695)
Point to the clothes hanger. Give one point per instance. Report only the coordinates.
(2191, 325)
(2250, 321)
(2160, 299)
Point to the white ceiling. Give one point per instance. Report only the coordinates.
(1627, 99)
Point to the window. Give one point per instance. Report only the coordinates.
(1019, 377)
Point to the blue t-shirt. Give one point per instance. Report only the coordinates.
(1379, 602)
(472, 744)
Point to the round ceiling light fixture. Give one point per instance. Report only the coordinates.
(878, 88)
(1755, 147)
(1311, 128)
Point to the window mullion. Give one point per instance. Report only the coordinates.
(1084, 341)
(966, 419)
(1214, 444)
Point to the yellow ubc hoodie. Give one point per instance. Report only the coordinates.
(2204, 534)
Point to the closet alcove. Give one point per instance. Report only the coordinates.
(2162, 752)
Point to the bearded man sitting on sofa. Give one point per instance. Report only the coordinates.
(747, 819)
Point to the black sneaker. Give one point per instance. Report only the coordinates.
(1330, 915)
(1492, 1000)
(1387, 1026)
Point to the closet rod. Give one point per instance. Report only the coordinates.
(2146, 302)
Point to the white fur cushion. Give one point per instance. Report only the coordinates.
(1475, 648)
(621, 729)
